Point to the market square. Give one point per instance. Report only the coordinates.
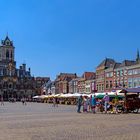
(41, 121)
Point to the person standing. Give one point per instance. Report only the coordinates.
(116, 101)
(54, 101)
(106, 101)
(85, 104)
(23, 101)
(93, 104)
(90, 103)
(79, 104)
(2, 101)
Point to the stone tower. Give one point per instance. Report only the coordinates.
(7, 50)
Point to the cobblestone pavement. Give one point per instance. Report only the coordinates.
(38, 121)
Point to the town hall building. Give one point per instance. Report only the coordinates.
(14, 82)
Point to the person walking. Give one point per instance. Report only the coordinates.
(106, 100)
(79, 104)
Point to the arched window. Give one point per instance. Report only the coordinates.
(7, 54)
(11, 54)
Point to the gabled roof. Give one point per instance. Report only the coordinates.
(108, 62)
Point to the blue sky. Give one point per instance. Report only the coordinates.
(54, 36)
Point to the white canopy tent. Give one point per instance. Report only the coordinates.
(35, 97)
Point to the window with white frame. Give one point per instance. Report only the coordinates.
(130, 72)
(135, 71)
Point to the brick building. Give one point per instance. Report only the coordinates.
(86, 84)
(62, 82)
(100, 73)
(112, 75)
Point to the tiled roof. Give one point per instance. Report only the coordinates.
(127, 63)
(66, 76)
(89, 75)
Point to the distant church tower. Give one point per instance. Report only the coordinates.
(7, 53)
(138, 56)
(7, 50)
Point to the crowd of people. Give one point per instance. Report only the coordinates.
(86, 104)
(93, 104)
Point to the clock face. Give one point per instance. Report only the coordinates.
(7, 42)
